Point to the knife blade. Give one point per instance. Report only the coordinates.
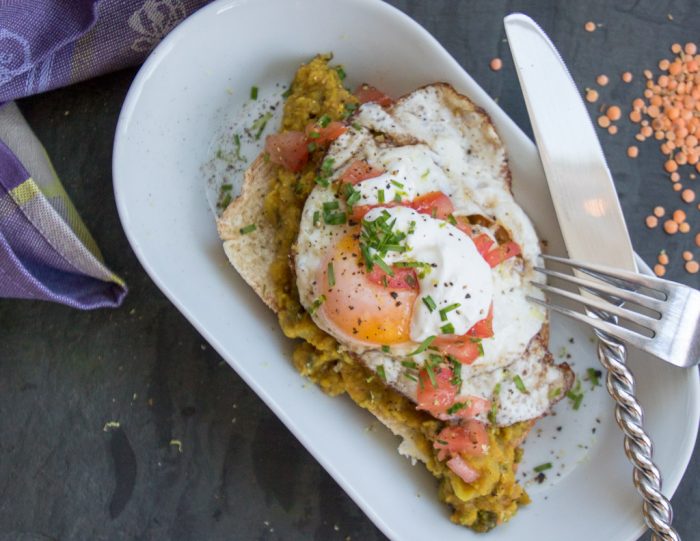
(592, 224)
(582, 189)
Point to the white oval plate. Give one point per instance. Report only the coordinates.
(188, 92)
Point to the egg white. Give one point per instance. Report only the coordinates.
(441, 147)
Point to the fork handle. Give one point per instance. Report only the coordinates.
(657, 510)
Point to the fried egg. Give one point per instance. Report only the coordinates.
(413, 254)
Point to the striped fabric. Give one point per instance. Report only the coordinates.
(46, 251)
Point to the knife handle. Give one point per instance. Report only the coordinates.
(657, 510)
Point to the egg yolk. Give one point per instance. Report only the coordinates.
(358, 308)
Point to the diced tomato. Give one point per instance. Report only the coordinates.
(435, 204)
(360, 170)
(288, 149)
(366, 93)
(462, 469)
(436, 399)
(322, 136)
(359, 211)
(501, 253)
(469, 438)
(483, 328)
(463, 225)
(463, 348)
(483, 244)
(473, 406)
(404, 278)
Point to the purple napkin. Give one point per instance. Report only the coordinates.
(46, 252)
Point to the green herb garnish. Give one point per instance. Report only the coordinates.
(247, 229)
(331, 274)
(520, 385)
(385, 349)
(341, 72)
(259, 125)
(380, 196)
(444, 311)
(380, 372)
(324, 121)
(317, 217)
(318, 302)
(454, 408)
(311, 146)
(543, 467)
(423, 345)
(253, 92)
(447, 328)
(593, 376)
(429, 302)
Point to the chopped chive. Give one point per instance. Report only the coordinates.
(451, 219)
(425, 173)
(317, 217)
(324, 121)
(454, 408)
(353, 198)
(327, 166)
(322, 181)
(409, 364)
(447, 328)
(382, 265)
(397, 197)
(341, 72)
(237, 143)
(385, 349)
(423, 345)
(429, 302)
(335, 218)
(318, 302)
(287, 93)
(331, 275)
(331, 205)
(593, 376)
(225, 201)
(520, 385)
(446, 309)
(226, 187)
(380, 196)
(385, 282)
(553, 393)
(356, 126)
(311, 146)
(253, 92)
(431, 375)
(456, 371)
(350, 107)
(247, 229)
(396, 183)
(479, 346)
(410, 376)
(260, 124)
(381, 373)
(314, 135)
(543, 467)
(497, 389)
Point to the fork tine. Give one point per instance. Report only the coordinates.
(595, 302)
(620, 333)
(598, 287)
(632, 279)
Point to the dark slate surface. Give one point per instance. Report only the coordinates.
(240, 474)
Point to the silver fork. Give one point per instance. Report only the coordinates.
(670, 328)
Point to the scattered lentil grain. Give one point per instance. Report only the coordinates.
(589, 26)
(659, 270)
(496, 64)
(692, 267)
(627, 77)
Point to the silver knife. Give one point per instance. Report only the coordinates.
(592, 225)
